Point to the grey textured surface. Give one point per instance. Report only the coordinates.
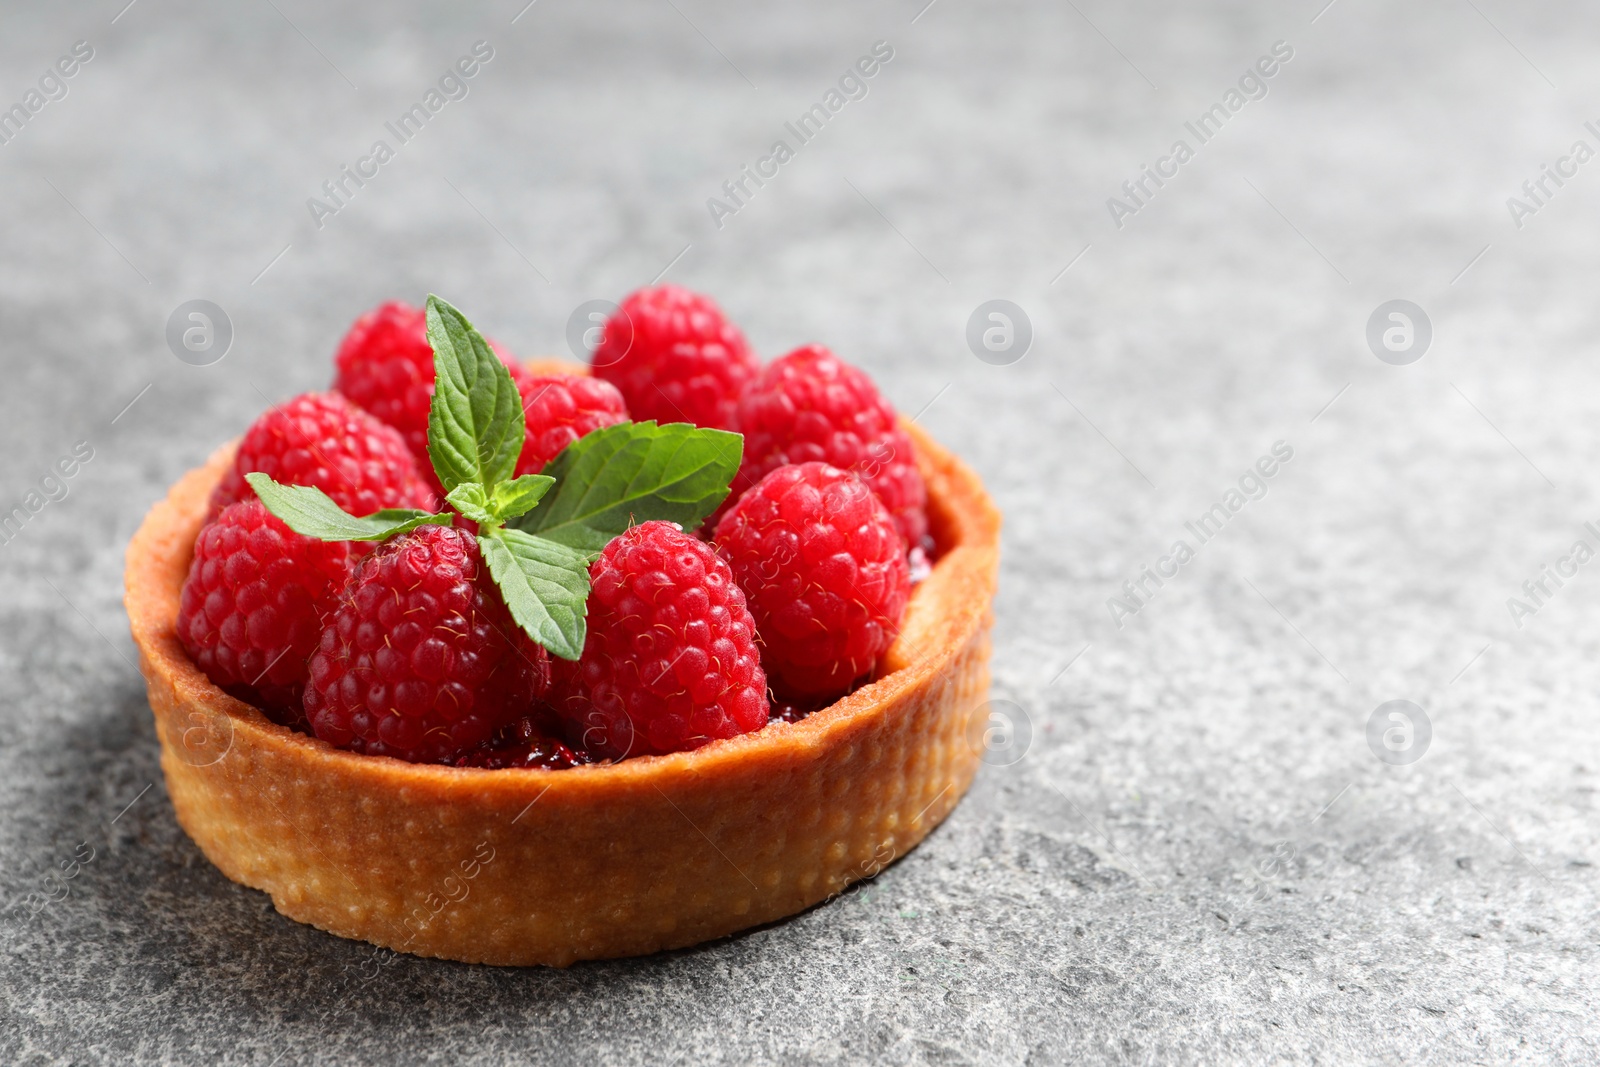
(1198, 859)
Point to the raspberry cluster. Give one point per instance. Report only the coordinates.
(415, 648)
(385, 366)
(825, 573)
(420, 658)
(322, 440)
(560, 408)
(675, 357)
(671, 661)
(810, 406)
(251, 610)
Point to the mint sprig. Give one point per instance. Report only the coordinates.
(538, 532)
(475, 425)
(309, 511)
(546, 586)
(617, 476)
(517, 497)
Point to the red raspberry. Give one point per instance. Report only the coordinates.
(826, 575)
(524, 744)
(671, 660)
(323, 440)
(675, 357)
(559, 409)
(811, 406)
(252, 606)
(420, 659)
(385, 365)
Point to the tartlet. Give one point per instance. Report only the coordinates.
(529, 866)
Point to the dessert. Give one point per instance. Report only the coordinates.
(441, 800)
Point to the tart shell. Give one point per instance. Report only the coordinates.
(519, 866)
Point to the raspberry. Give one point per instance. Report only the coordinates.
(420, 659)
(825, 573)
(524, 744)
(675, 357)
(671, 659)
(252, 606)
(385, 365)
(810, 406)
(559, 409)
(323, 440)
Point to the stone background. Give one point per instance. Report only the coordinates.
(1196, 857)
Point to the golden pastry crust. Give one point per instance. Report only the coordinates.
(525, 867)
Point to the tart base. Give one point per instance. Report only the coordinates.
(519, 867)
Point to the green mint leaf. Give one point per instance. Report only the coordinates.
(509, 499)
(520, 495)
(630, 473)
(470, 499)
(312, 513)
(476, 425)
(546, 586)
